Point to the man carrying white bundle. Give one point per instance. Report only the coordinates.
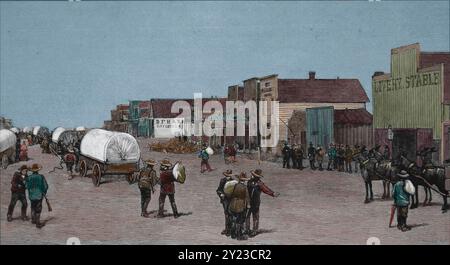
(403, 189)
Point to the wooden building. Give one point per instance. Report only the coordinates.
(413, 102)
(301, 94)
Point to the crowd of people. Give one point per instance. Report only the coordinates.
(240, 198)
(339, 157)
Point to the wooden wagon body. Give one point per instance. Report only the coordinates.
(7, 147)
(108, 153)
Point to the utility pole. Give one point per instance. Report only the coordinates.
(258, 95)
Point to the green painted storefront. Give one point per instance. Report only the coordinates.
(409, 97)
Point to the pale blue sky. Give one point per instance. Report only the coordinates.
(70, 63)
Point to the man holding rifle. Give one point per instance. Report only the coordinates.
(37, 189)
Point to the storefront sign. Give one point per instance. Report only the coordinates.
(412, 81)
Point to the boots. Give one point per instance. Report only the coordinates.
(38, 221)
(226, 230)
(9, 218)
(24, 215)
(174, 209)
(255, 226)
(144, 212)
(33, 217)
(240, 234)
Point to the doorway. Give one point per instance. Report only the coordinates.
(405, 140)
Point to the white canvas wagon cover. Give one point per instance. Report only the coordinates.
(14, 130)
(56, 133)
(36, 130)
(7, 139)
(110, 147)
(27, 129)
(80, 129)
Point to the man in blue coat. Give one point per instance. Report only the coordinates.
(37, 189)
(401, 201)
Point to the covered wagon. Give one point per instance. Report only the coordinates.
(39, 133)
(15, 130)
(7, 147)
(108, 153)
(56, 133)
(54, 145)
(27, 130)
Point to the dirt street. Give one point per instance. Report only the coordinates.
(313, 208)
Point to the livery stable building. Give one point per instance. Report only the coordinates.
(411, 104)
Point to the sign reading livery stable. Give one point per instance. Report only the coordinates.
(414, 101)
(413, 81)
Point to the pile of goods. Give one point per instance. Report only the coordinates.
(175, 146)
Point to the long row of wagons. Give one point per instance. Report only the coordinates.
(101, 152)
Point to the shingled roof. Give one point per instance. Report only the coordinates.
(321, 90)
(353, 117)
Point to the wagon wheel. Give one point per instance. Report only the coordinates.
(5, 161)
(96, 175)
(83, 168)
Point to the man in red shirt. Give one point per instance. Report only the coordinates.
(18, 193)
(70, 159)
(255, 187)
(167, 180)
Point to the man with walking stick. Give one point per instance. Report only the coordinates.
(403, 189)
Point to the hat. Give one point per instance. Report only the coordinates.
(257, 173)
(150, 162)
(403, 174)
(166, 163)
(35, 167)
(242, 176)
(23, 167)
(228, 173)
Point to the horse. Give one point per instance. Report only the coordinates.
(427, 177)
(373, 170)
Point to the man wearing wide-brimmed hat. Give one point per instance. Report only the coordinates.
(228, 175)
(401, 200)
(147, 182)
(286, 152)
(255, 186)
(238, 207)
(37, 189)
(69, 160)
(18, 193)
(167, 180)
(312, 156)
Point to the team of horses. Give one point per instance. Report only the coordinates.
(374, 168)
